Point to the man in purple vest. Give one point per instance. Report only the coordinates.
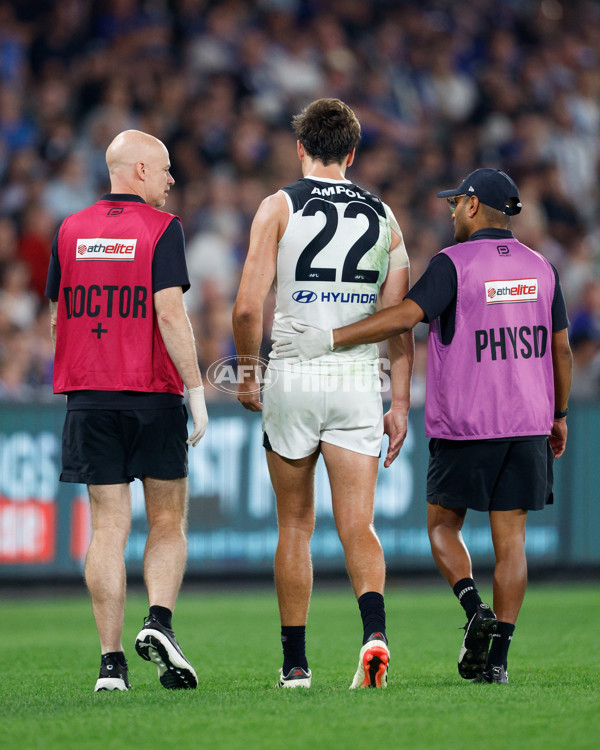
(498, 380)
(124, 349)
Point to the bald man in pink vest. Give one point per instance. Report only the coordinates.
(124, 350)
(498, 380)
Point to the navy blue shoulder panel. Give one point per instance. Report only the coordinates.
(303, 190)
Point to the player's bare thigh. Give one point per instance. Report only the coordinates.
(352, 477)
(293, 482)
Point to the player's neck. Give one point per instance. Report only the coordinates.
(316, 168)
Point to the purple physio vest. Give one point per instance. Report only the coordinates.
(495, 379)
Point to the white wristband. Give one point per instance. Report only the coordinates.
(197, 389)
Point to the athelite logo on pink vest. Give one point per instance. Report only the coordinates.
(495, 379)
(107, 336)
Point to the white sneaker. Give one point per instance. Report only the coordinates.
(373, 663)
(295, 678)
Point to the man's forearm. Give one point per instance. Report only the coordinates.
(53, 315)
(247, 334)
(381, 326)
(562, 364)
(178, 336)
(401, 351)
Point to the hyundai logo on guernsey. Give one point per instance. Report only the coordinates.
(304, 296)
(511, 290)
(101, 248)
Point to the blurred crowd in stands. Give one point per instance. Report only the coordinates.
(440, 88)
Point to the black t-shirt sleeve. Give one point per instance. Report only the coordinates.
(53, 280)
(168, 265)
(435, 291)
(560, 319)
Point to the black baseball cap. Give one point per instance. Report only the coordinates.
(493, 187)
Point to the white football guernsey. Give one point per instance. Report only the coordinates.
(331, 261)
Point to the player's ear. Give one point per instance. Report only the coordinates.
(300, 150)
(473, 206)
(140, 169)
(350, 158)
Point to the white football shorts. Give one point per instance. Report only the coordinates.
(303, 406)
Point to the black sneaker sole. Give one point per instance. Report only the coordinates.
(174, 677)
(474, 659)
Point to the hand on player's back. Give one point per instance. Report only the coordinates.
(310, 343)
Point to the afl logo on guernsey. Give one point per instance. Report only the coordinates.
(303, 296)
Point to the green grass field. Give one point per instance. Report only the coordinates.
(50, 659)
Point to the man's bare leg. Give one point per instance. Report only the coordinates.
(165, 555)
(447, 546)
(293, 484)
(104, 564)
(353, 477)
(164, 565)
(510, 582)
(452, 557)
(510, 575)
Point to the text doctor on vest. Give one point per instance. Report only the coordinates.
(498, 380)
(124, 349)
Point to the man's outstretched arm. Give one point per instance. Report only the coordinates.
(314, 342)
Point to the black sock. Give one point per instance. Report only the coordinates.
(163, 615)
(467, 594)
(293, 640)
(498, 654)
(113, 656)
(372, 611)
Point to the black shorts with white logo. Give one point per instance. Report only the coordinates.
(490, 474)
(104, 446)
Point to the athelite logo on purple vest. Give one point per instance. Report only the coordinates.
(495, 378)
(511, 290)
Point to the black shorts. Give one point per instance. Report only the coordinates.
(490, 474)
(116, 446)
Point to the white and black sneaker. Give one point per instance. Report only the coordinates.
(113, 675)
(476, 643)
(158, 644)
(295, 678)
(373, 661)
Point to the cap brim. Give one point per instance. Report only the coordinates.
(449, 193)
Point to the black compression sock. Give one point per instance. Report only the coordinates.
(163, 615)
(372, 611)
(501, 639)
(293, 640)
(467, 594)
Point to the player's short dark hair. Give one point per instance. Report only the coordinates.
(328, 129)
